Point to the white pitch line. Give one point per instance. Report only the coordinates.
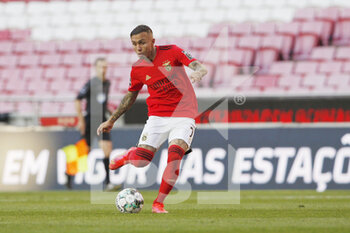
(295, 197)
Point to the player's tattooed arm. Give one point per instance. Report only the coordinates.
(199, 71)
(128, 100)
(125, 104)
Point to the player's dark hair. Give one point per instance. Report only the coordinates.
(139, 29)
(97, 60)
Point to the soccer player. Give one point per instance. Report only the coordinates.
(95, 91)
(172, 107)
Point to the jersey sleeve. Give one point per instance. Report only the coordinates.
(135, 83)
(84, 91)
(183, 56)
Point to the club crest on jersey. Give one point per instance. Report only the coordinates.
(188, 55)
(167, 65)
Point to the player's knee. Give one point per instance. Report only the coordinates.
(180, 143)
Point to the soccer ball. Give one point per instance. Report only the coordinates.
(129, 200)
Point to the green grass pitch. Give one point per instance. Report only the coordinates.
(259, 211)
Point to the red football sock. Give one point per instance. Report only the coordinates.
(171, 172)
(139, 157)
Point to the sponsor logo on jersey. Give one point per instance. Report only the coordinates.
(167, 65)
(148, 77)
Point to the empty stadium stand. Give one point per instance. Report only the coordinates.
(254, 47)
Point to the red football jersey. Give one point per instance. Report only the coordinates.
(170, 91)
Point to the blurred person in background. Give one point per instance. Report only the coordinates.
(95, 92)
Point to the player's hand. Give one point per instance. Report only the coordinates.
(81, 126)
(105, 127)
(196, 77)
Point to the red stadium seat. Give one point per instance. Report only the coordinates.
(112, 46)
(68, 108)
(241, 29)
(224, 75)
(45, 47)
(309, 37)
(50, 108)
(121, 73)
(314, 81)
(216, 29)
(16, 86)
(28, 60)
(37, 85)
(346, 67)
(93, 46)
(8, 61)
(11, 73)
(114, 88)
(288, 31)
(5, 35)
(282, 44)
(184, 43)
(25, 108)
(341, 34)
(78, 72)
(6, 107)
(330, 14)
(249, 42)
(23, 47)
(264, 29)
(303, 46)
(244, 84)
(225, 43)
(282, 68)
(212, 56)
(120, 58)
(55, 73)
(338, 80)
(127, 46)
(323, 53)
(240, 57)
(305, 14)
(342, 54)
(61, 85)
(72, 59)
(290, 81)
(68, 47)
(6, 47)
(20, 35)
(272, 42)
(123, 85)
(264, 59)
(330, 67)
(49, 60)
(33, 74)
(201, 44)
(266, 81)
(306, 67)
